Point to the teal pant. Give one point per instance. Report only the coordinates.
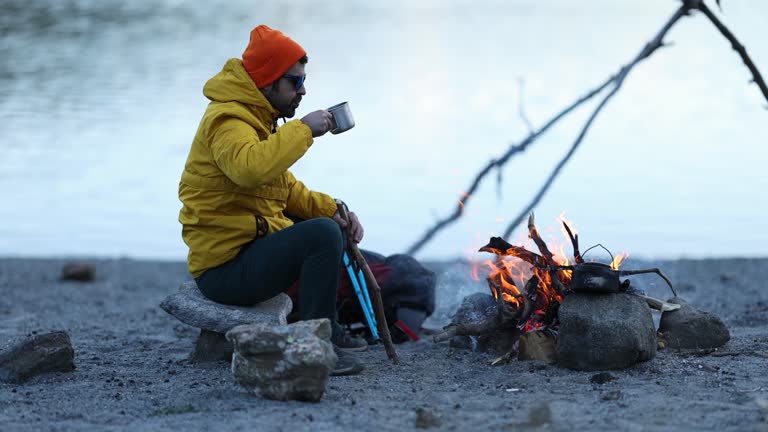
(309, 251)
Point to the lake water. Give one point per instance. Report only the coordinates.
(99, 101)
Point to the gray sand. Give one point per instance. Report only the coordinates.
(133, 373)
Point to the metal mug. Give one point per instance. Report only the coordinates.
(342, 118)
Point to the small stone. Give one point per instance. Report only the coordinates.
(78, 271)
(426, 419)
(602, 378)
(538, 345)
(49, 352)
(611, 395)
(691, 328)
(264, 364)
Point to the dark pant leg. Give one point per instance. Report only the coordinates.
(309, 251)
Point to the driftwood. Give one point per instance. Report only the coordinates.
(616, 80)
(374, 291)
(657, 304)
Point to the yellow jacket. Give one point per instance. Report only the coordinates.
(236, 185)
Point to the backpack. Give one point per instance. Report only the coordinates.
(407, 293)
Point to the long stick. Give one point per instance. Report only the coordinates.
(737, 46)
(653, 270)
(373, 289)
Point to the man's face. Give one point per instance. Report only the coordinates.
(283, 94)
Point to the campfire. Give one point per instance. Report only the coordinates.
(529, 289)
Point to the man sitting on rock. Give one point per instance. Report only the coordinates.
(237, 191)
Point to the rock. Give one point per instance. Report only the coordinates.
(78, 271)
(49, 352)
(211, 346)
(689, 327)
(604, 331)
(286, 362)
(426, 419)
(538, 345)
(191, 307)
(477, 308)
(602, 378)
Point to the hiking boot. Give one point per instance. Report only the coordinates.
(347, 363)
(349, 343)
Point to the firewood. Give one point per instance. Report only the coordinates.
(575, 242)
(499, 246)
(533, 233)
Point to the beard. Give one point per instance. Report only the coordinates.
(289, 110)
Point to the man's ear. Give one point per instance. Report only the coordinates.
(271, 88)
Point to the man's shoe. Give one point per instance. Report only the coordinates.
(349, 343)
(347, 363)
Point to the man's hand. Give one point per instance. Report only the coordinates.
(356, 230)
(320, 121)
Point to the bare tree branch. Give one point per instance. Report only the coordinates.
(617, 81)
(521, 105)
(736, 45)
(498, 163)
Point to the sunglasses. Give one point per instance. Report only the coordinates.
(298, 80)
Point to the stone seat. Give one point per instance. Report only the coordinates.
(191, 307)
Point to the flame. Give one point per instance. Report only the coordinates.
(508, 271)
(464, 196)
(562, 219)
(616, 263)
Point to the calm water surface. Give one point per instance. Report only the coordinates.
(99, 101)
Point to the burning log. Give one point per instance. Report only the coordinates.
(525, 308)
(499, 246)
(506, 317)
(514, 309)
(575, 243)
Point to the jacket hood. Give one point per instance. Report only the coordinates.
(233, 84)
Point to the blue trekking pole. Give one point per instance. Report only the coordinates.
(375, 291)
(361, 290)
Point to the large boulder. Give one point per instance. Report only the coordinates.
(604, 331)
(284, 362)
(691, 328)
(49, 352)
(190, 306)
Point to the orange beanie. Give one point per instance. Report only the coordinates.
(269, 55)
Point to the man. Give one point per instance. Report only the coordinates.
(237, 192)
